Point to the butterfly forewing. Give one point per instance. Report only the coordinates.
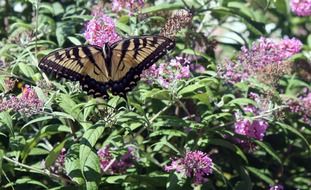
(80, 63)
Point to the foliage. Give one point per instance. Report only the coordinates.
(61, 138)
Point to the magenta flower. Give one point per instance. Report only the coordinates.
(168, 75)
(130, 5)
(28, 104)
(254, 129)
(196, 165)
(301, 7)
(111, 165)
(262, 57)
(276, 187)
(104, 157)
(59, 165)
(101, 29)
(251, 128)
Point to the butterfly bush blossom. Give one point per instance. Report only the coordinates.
(266, 58)
(251, 128)
(301, 7)
(28, 104)
(168, 75)
(301, 106)
(195, 164)
(59, 165)
(111, 165)
(101, 29)
(131, 5)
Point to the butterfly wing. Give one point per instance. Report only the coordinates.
(80, 63)
(119, 71)
(131, 56)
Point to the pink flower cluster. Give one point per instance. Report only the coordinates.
(111, 165)
(28, 104)
(196, 165)
(101, 29)
(264, 52)
(251, 128)
(302, 106)
(301, 7)
(59, 165)
(130, 5)
(168, 75)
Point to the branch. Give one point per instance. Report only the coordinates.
(37, 170)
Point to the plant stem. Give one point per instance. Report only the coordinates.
(36, 170)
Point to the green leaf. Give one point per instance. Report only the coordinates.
(254, 26)
(296, 132)
(190, 88)
(169, 132)
(269, 150)
(58, 8)
(156, 93)
(281, 6)
(241, 102)
(50, 159)
(123, 27)
(43, 118)
(74, 40)
(260, 174)
(68, 105)
(27, 180)
(1, 159)
(228, 145)
(162, 7)
(7, 121)
(89, 161)
(88, 108)
(72, 164)
(26, 70)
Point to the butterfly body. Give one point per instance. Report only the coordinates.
(115, 68)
